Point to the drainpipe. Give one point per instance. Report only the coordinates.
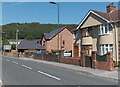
(116, 47)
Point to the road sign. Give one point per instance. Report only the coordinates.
(7, 47)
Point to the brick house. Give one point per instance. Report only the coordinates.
(59, 38)
(100, 31)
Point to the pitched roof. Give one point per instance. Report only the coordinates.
(14, 40)
(53, 33)
(112, 16)
(109, 17)
(30, 44)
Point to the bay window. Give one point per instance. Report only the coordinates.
(104, 48)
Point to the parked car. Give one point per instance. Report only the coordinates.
(68, 53)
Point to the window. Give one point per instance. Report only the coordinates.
(87, 49)
(105, 29)
(76, 34)
(63, 42)
(104, 48)
(87, 32)
(43, 43)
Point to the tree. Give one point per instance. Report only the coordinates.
(29, 37)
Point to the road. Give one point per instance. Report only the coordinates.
(23, 72)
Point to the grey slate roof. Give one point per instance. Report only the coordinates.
(30, 44)
(52, 33)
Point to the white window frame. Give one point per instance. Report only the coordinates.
(104, 48)
(103, 28)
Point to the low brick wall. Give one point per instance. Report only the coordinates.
(11, 54)
(106, 65)
(38, 56)
(47, 57)
(101, 65)
(69, 60)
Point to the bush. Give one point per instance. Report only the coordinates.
(54, 51)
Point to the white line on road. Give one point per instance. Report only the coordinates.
(26, 66)
(14, 62)
(49, 75)
(7, 60)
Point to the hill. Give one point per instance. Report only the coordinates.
(33, 30)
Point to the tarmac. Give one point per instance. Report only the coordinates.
(98, 72)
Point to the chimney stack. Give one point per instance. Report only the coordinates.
(110, 8)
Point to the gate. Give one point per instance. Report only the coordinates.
(88, 61)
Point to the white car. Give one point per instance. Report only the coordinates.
(67, 53)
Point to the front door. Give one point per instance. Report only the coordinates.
(76, 50)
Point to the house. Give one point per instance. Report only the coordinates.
(76, 46)
(14, 42)
(100, 31)
(58, 39)
(29, 46)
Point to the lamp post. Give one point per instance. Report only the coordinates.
(17, 38)
(58, 10)
(58, 23)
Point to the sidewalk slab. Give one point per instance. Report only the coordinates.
(97, 72)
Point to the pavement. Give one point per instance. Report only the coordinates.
(1, 83)
(97, 72)
(28, 71)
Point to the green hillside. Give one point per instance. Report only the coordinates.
(33, 30)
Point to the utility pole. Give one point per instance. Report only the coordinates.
(17, 38)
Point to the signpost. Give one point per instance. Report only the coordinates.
(7, 47)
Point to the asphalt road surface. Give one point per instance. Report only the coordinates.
(23, 72)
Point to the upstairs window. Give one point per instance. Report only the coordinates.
(43, 43)
(105, 29)
(87, 32)
(76, 34)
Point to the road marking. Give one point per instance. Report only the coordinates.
(14, 62)
(26, 66)
(7, 60)
(49, 75)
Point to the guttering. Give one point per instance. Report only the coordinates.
(116, 47)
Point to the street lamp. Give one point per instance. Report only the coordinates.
(58, 23)
(17, 38)
(58, 10)
(58, 19)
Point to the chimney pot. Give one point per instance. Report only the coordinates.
(110, 8)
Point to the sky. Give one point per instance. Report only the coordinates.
(46, 13)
